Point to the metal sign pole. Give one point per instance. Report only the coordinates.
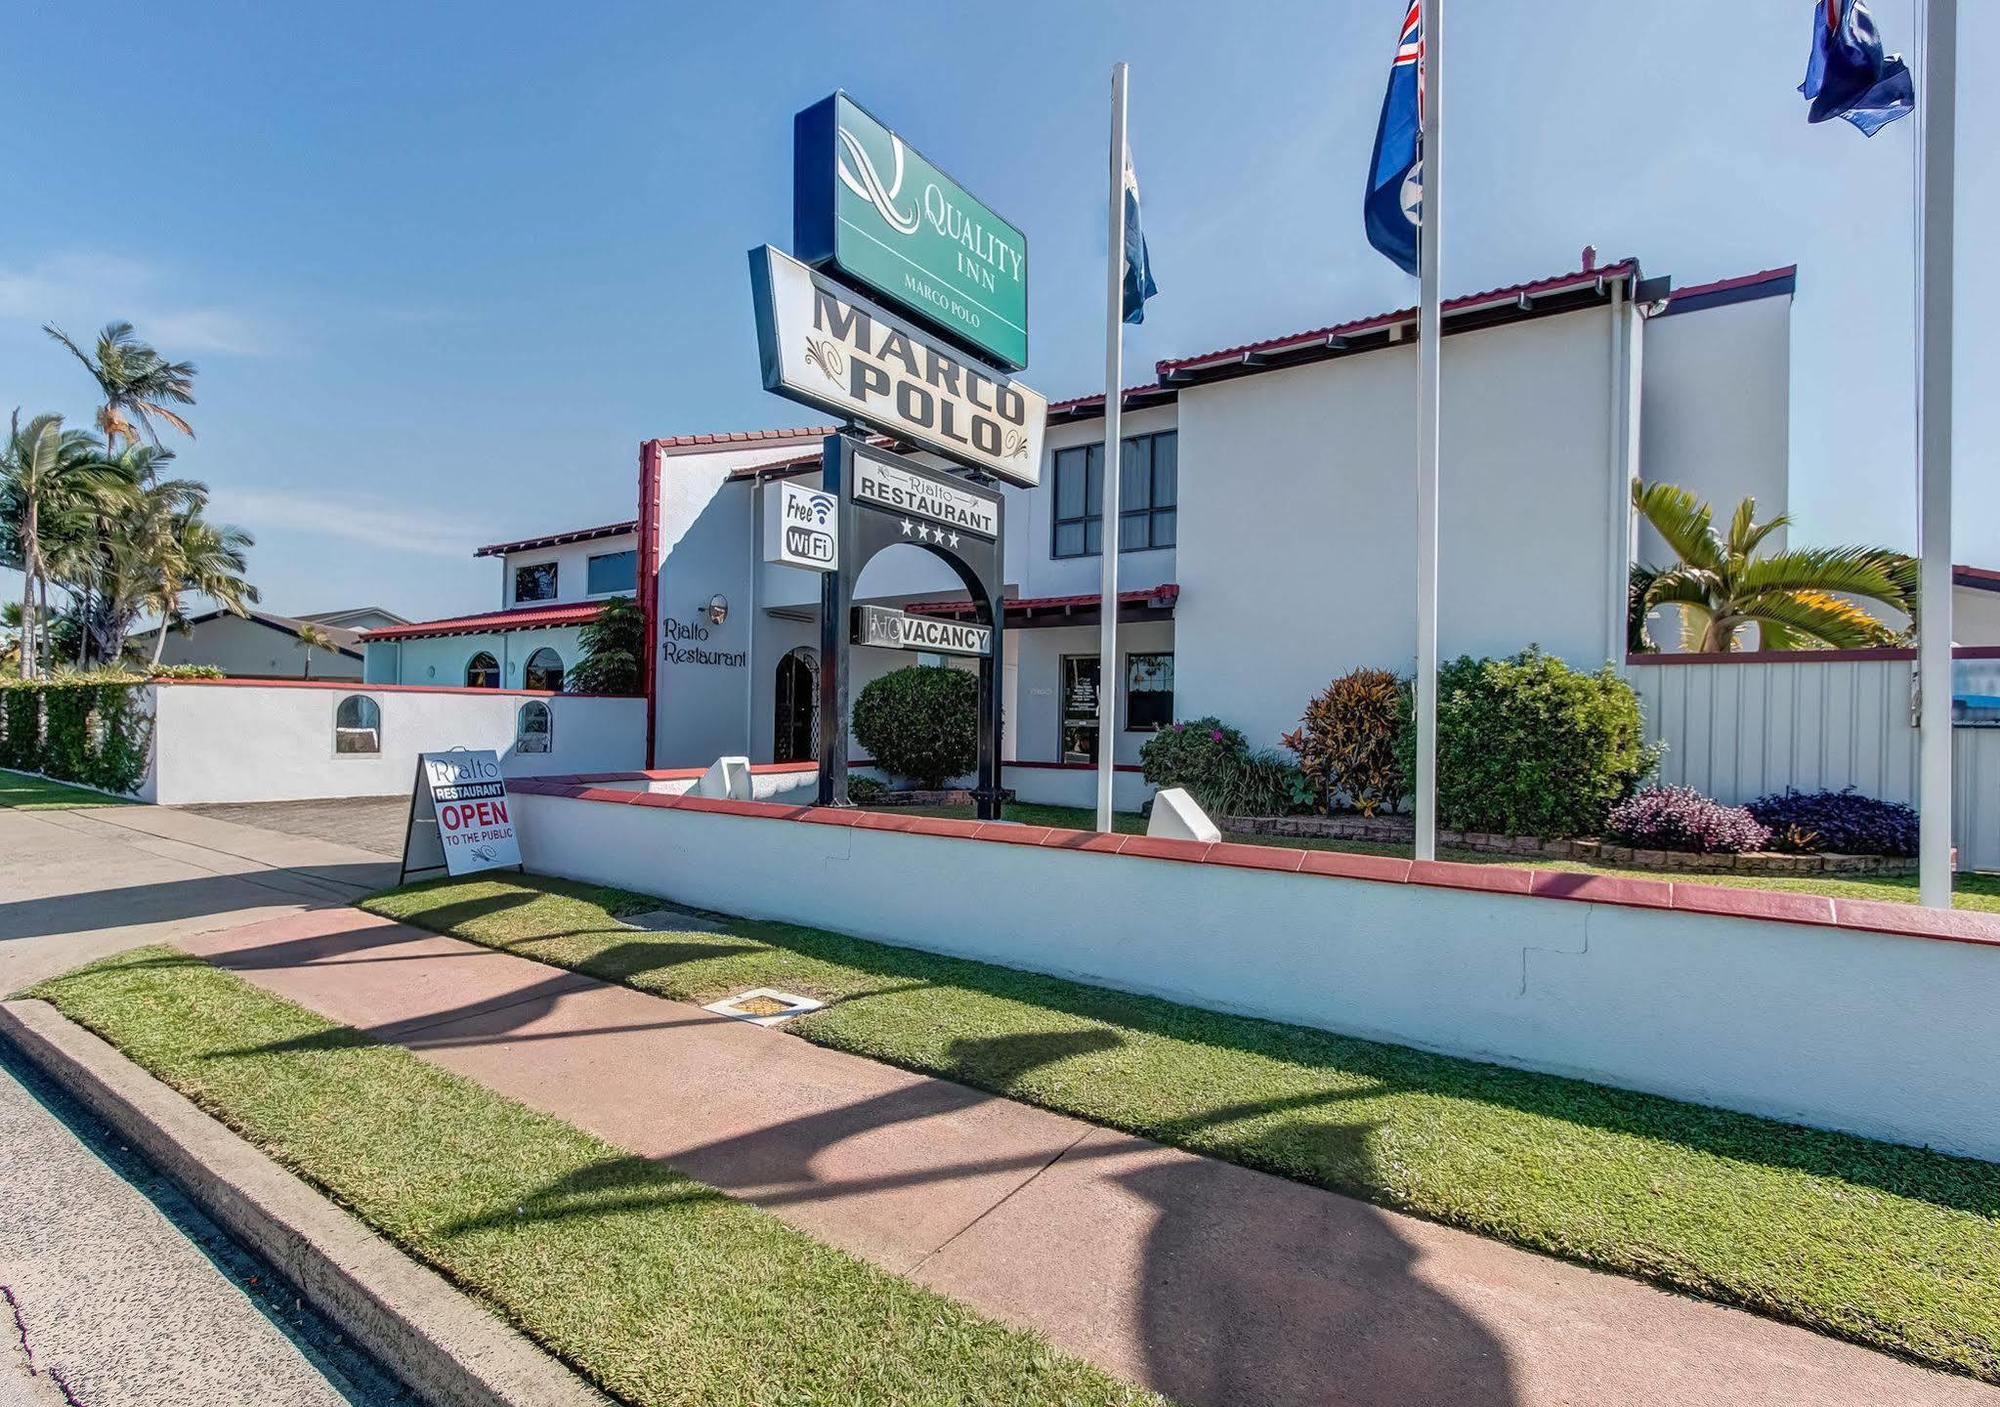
(835, 588)
(1430, 330)
(1935, 174)
(1114, 396)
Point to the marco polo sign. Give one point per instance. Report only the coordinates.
(829, 347)
(866, 204)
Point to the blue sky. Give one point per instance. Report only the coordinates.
(444, 266)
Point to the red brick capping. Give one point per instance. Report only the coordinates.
(356, 686)
(1888, 654)
(1860, 915)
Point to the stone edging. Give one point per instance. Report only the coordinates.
(447, 1348)
(1396, 829)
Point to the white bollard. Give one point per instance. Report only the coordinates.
(1177, 817)
(727, 779)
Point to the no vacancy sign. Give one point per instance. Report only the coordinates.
(459, 820)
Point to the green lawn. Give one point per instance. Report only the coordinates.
(1971, 891)
(21, 792)
(1892, 1247)
(656, 1287)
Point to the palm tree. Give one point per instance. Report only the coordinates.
(1797, 599)
(47, 475)
(208, 558)
(136, 381)
(313, 637)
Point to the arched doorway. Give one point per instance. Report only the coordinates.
(795, 707)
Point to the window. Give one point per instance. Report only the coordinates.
(545, 671)
(482, 671)
(536, 728)
(357, 726)
(610, 572)
(1079, 708)
(536, 583)
(1149, 692)
(1148, 496)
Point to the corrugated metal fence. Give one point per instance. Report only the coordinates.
(1738, 727)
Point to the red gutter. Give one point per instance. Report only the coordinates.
(650, 454)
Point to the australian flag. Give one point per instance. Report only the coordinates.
(1848, 75)
(1139, 285)
(1396, 176)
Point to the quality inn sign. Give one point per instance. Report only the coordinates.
(868, 205)
(826, 346)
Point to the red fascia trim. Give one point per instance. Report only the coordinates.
(515, 618)
(529, 544)
(1530, 885)
(1164, 596)
(1979, 578)
(1730, 285)
(355, 686)
(649, 584)
(682, 443)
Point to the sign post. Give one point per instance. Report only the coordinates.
(458, 822)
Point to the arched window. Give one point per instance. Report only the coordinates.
(535, 729)
(545, 671)
(482, 671)
(357, 725)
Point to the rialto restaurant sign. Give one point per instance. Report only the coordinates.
(868, 205)
(889, 485)
(899, 630)
(826, 346)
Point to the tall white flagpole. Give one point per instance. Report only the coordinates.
(1114, 395)
(1430, 330)
(1936, 95)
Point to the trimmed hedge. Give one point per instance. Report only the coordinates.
(1213, 762)
(1529, 746)
(921, 722)
(1843, 822)
(90, 730)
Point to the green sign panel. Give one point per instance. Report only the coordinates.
(866, 205)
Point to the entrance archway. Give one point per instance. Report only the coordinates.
(795, 707)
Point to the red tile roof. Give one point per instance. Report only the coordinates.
(1248, 352)
(529, 544)
(744, 437)
(1021, 605)
(520, 618)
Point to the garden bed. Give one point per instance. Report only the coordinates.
(1401, 830)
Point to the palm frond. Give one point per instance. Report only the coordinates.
(1816, 618)
(1851, 571)
(1682, 520)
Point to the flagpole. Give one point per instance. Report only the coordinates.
(1936, 96)
(1430, 329)
(1114, 376)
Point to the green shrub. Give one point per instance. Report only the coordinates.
(1214, 764)
(921, 722)
(865, 791)
(1346, 741)
(87, 728)
(1529, 746)
(184, 671)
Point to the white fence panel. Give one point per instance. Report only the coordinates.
(1741, 729)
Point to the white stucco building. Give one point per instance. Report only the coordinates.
(550, 588)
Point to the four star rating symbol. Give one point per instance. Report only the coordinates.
(924, 532)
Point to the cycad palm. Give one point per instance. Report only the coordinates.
(1796, 599)
(136, 381)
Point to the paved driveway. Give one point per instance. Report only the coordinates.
(365, 822)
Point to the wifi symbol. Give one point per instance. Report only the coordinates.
(822, 510)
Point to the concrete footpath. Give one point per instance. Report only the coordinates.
(1210, 1283)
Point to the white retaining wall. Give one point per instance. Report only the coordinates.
(246, 742)
(1891, 1037)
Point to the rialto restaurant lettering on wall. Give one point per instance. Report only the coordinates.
(685, 644)
(826, 346)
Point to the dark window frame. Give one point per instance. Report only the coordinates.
(590, 587)
(529, 666)
(493, 669)
(1158, 516)
(547, 733)
(1064, 718)
(368, 720)
(554, 567)
(1127, 725)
